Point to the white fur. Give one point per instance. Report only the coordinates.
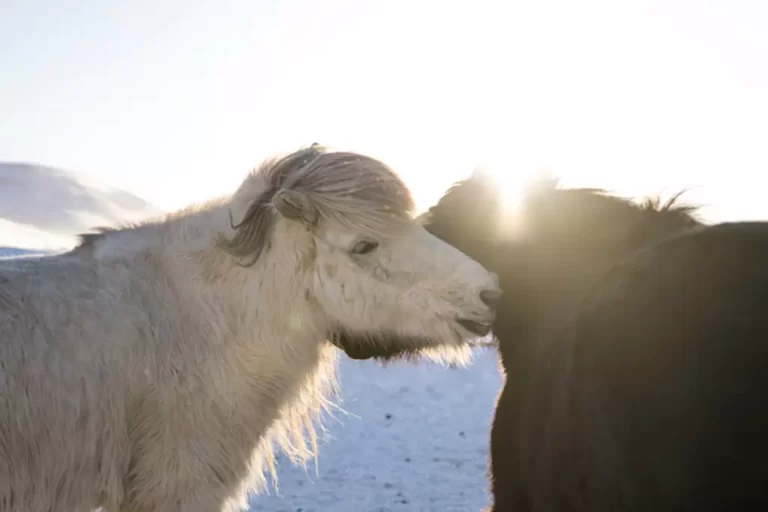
(149, 371)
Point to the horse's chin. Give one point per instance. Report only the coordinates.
(386, 347)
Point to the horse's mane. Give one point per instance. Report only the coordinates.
(549, 189)
(469, 215)
(346, 188)
(294, 432)
(672, 204)
(640, 220)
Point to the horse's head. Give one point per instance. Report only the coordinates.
(469, 217)
(563, 240)
(381, 283)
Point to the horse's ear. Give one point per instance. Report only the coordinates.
(293, 204)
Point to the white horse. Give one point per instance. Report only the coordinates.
(154, 367)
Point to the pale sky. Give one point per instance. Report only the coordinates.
(177, 99)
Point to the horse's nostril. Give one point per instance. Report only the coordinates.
(490, 297)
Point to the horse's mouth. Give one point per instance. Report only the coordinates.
(477, 328)
(382, 345)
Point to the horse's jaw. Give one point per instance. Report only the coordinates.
(387, 346)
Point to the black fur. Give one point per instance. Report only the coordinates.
(631, 338)
(652, 395)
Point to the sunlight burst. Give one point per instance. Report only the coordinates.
(513, 183)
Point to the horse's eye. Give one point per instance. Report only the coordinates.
(364, 247)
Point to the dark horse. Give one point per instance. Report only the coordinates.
(634, 344)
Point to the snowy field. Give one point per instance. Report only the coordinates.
(414, 438)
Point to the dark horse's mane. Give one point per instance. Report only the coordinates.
(634, 348)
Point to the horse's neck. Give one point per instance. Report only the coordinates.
(263, 307)
(189, 232)
(267, 300)
(541, 306)
(249, 323)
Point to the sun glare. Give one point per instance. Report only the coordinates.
(513, 180)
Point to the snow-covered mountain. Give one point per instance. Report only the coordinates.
(13, 252)
(43, 208)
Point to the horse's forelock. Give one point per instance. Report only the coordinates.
(357, 191)
(347, 188)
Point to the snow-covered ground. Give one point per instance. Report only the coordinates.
(414, 438)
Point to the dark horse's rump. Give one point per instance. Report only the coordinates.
(632, 342)
(657, 385)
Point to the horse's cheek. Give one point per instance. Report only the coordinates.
(331, 289)
(331, 285)
(364, 296)
(418, 289)
(358, 299)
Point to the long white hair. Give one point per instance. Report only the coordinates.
(154, 367)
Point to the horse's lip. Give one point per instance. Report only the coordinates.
(475, 327)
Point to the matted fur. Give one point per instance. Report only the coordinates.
(156, 367)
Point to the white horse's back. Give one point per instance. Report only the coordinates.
(62, 425)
